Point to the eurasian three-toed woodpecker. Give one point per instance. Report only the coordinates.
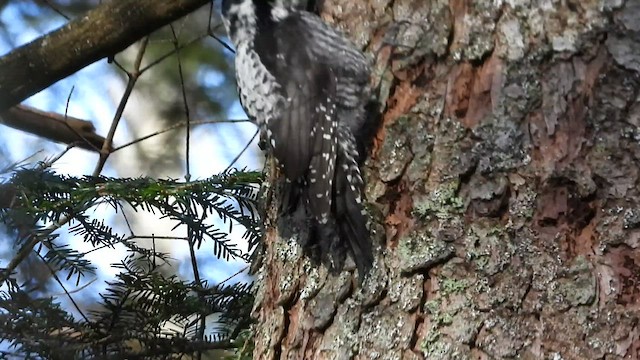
(306, 87)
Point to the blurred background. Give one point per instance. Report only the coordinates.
(202, 71)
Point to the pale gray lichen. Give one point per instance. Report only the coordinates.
(395, 154)
(440, 203)
(386, 329)
(576, 285)
(420, 251)
(631, 219)
(407, 291)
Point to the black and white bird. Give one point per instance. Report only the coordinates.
(306, 86)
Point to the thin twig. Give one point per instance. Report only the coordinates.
(178, 126)
(133, 78)
(138, 237)
(168, 54)
(234, 275)
(126, 219)
(55, 9)
(80, 288)
(49, 163)
(224, 44)
(209, 29)
(196, 273)
(66, 122)
(241, 152)
(187, 176)
(190, 211)
(55, 276)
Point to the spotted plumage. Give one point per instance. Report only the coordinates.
(306, 86)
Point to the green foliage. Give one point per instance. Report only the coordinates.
(144, 312)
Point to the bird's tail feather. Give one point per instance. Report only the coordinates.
(349, 212)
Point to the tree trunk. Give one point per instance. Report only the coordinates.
(502, 190)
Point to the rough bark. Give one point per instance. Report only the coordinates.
(503, 191)
(102, 32)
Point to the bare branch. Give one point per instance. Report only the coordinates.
(53, 126)
(133, 78)
(178, 126)
(102, 32)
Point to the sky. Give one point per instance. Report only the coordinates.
(95, 91)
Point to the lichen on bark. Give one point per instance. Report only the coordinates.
(502, 187)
